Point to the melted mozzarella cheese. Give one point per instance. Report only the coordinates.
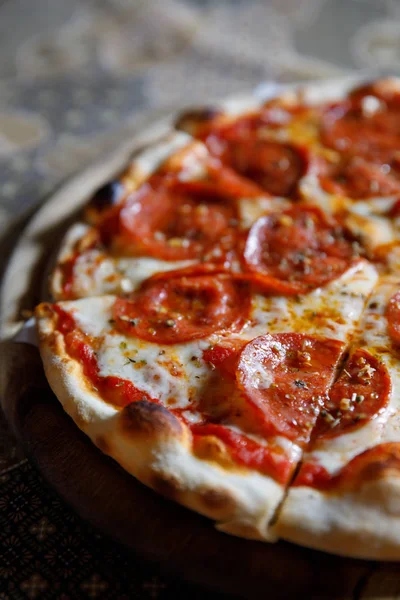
(312, 192)
(95, 273)
(331, 311)
(136, 270)
(292, 450)
(372, 230)
(174, 374)
(251, 209)
(366, 219)
(373, 206)
(371, 105)
(92, 315)
(192, 164)
(72, 237)
(392, 260)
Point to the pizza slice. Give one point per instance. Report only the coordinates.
(183, 382)
(345, 497)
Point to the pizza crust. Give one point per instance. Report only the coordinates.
(151, 444)
(363, 523)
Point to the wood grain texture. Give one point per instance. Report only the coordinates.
(180, 541)
(382, 584)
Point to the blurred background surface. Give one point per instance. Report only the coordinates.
(74, 76)
(74, 79)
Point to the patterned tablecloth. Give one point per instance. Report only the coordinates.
(74, 77)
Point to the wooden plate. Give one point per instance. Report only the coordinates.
(180, 541)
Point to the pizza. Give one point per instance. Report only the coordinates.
(225, 320)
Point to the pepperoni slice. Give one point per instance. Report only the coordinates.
(225, 357)
(183, 308)
(357, 178)
(263, 283)
(174, 221)
(299, 248)
(393, 318)
(221, 401)
(285, 378)
(274, 166)
(360, 394)
(189, 271)
(224, 182)
(394, 211)
(371, 465)
(353, 131)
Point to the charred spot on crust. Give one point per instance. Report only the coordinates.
(108, 195)
(149, 419)
(215, 499)
(379, 468)
(167, 485)
(190, 119)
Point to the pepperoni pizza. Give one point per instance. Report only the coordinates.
(226, 317)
